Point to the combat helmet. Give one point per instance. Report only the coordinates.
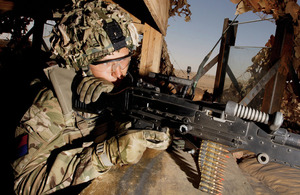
(89, 30)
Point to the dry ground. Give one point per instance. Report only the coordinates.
(205, 83)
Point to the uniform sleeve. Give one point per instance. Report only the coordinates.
(48, 161)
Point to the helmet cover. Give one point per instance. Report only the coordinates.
(89, 30)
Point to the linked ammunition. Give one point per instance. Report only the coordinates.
(211, 163)
(211, 160)
(212, 188)
(219, 148)
(216, 153)
(215, 145)
(213, 176)
(206, 190)
(212, 171)
(212, 180)
(212, 166)
(214, 157)
(209, 191)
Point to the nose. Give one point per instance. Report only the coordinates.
(117, 72)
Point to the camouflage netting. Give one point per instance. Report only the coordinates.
(277, 9)
(180, 7)
(290, 105)
(256, 71)
(166, 67)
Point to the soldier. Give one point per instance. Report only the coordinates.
(94, 41)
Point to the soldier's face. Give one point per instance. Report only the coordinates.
(112, 67)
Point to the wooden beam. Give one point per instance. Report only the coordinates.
(260, 85)
(227, 40)
(233, 79)
(151, 51)
(159, 9)
(283, 49)
(209, 65)
(153, 12)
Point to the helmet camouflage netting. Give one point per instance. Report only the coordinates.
(90, 30)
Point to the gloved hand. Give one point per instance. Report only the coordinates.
(129, 148)
(90, 89)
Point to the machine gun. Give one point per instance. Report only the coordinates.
(233, 125)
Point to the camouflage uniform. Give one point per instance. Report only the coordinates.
(53, 150)
(53, 160)
(57, 156)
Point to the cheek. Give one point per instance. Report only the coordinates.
(125, 71)
(103, 75)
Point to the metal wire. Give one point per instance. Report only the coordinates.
(251, 21)
(197, 76)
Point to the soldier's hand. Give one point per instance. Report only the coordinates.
(129, 148)
(90, 89)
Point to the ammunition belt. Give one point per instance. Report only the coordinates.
(212, 164)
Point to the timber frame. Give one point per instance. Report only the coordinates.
(274, 80)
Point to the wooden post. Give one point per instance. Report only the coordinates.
(151, 51)
(227, 41)
(283, 49)
(159, 9)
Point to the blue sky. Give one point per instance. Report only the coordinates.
(189, 42)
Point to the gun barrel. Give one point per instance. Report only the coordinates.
(282, 136)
